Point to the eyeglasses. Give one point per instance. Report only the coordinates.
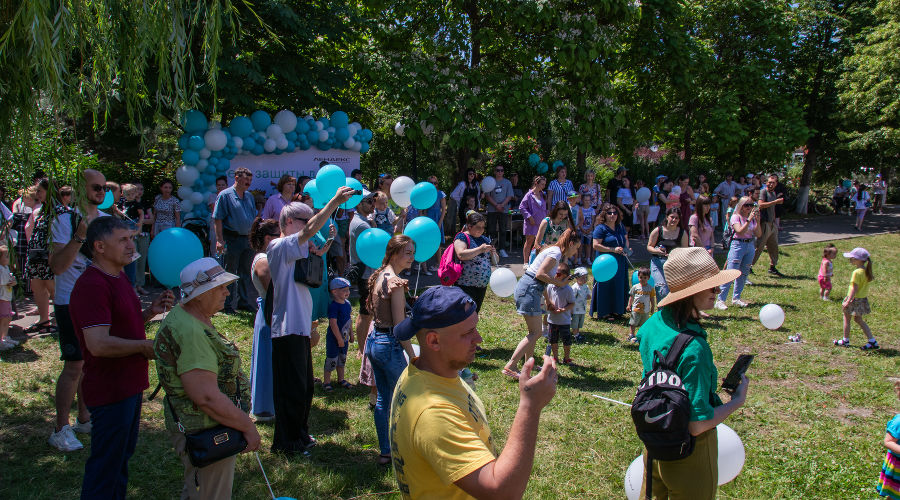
(99, 187)
(305, 221)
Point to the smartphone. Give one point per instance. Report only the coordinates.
(357, 191)
(731, 382)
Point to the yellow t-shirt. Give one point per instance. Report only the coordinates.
(438, 433)
(862, 284)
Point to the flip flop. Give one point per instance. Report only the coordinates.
(511, 373)
(345, 384)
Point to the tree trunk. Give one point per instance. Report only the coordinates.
(809, 165)
(580, 161)
(688, 131)
(463, 155)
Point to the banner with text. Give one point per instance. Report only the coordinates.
(267, 169)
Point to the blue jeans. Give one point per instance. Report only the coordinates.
(386, 356)
(740, 256)
(261, 394)
(113, 437)
(656, 272)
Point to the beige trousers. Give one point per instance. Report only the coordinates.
(212, 482)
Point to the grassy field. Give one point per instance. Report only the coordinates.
(812, 426)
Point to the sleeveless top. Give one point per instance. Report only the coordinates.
(669, 243)
(260, 289)
(553, 231)
(381, 304)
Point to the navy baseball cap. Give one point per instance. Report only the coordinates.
(437, 307)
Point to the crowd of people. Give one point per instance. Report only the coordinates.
(293, 266)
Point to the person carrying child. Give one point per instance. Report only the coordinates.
(7, 282)
(641, 302)
(338, 337)
(826, 270)
(560, 301)
(889, 479)
(856, 304)
(582, 296)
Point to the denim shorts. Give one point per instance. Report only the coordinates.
(529, 293)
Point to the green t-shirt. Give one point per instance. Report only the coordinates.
(695, 367)
(184, 343)
(859, 279)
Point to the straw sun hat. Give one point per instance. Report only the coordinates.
(692, 270)
(201, 276)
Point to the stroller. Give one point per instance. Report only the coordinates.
(200, 227)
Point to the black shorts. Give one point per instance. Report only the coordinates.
(355, 275)
(557, 331)
(69, 348)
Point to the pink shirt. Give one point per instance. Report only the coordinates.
(738, 220)
(705, 230)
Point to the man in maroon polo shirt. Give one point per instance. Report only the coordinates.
(109, 324)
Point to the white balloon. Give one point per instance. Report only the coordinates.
(185, 192)
(330, 130)
(186, 205)
(261, 136)
(503, 281)
(238, 142)
(488, 184)
(215, 139)
(204, 153)
(357, 146)
(286, 120)
(731, 454)
(355, 126)
(348, 144)
(320, 126)
(771, 316)
(416, 351)
(399, 129)
(400, 189)
(642, 195)
(323, 135)
(269, 145)
(201, 165)
(196, 198)
(634, 478)
(282, 143)
(186, 175)
(274, 131)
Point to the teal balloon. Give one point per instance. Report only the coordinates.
(190, 157)
(542, 167)
(241, 126)
(312, 137)
(356, 198)
(364, 148)
(426, 234)
(342, 134)
(847, 183)
(604, 267)
(328, 179)
(195, 142)
(635, 279)
(371, 245)
(339, 119)
(108, 201)
(557, 164)
(183, 141)
(312, 189)
(302, 127)
(194, 121)
(534, 159)
(423, 195)
(260, 120)
(170, 251)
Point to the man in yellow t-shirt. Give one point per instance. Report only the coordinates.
(441, 445)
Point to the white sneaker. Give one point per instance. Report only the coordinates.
(82, 427)
(720, 305)
(503, 254)
(65, 440)
(739, 303)
(10, 341)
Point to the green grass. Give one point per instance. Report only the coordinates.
(812, 426)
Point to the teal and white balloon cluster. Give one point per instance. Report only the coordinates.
(209, 147)
(534, 160)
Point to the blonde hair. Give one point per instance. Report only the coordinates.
(29, 192)
(4, 250)
(130, 189)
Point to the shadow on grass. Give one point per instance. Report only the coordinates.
(599, 338)
(501, 353)
(887, 352)
(773, 285)
(587, 378)
(19, 354)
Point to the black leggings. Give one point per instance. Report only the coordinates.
(477, 294)
(293, 392)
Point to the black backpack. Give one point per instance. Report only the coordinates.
(662, 410)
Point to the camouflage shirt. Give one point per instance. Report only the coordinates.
(184, 343)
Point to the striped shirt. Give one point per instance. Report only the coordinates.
(559, 192)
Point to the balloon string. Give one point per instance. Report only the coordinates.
(264, 475)
(611, 400)
(418, 273)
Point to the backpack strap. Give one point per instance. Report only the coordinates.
(681, 341)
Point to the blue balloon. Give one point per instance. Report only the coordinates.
(339, 119)
(183, 141)
(224, 162)
(370, 246)
(258, 150)
(557, 164)
(604, 267)
(302, 127)
(635, 279)
(342, 134)
(108, 200)
(364, 148)
(169, 253)
(312, 136)
(313, 190)
(423, 195)
(190, 157)
(328, 179)
(534, 159)
(542, 167)
(325, 122)
(194, 121)
(260, 120)
(324, 146)
(291, 136)
(356, 198)
(290, 147)
(195, 142)
(426, 234)
(241, 126)
(367, 135)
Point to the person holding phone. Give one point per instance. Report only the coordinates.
(694, 280)
(746, 228)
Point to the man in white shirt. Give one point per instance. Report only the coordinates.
(497, 208)
(725, 190)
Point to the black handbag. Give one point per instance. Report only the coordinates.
(309, 271)
(211, 445)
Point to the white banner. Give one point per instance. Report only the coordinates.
(268, 168)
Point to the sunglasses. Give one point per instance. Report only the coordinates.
(612, 212)
(305, 221)
(274, 235)
(99, 188)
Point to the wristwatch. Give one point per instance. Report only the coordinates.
(78, 239)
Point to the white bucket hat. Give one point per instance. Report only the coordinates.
(201, 276)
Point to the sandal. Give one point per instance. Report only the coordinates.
(345, 384)
(42, 327)
(511, 373)
(842, 342)
(871, 345)
(327, 388)
(384, 459)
